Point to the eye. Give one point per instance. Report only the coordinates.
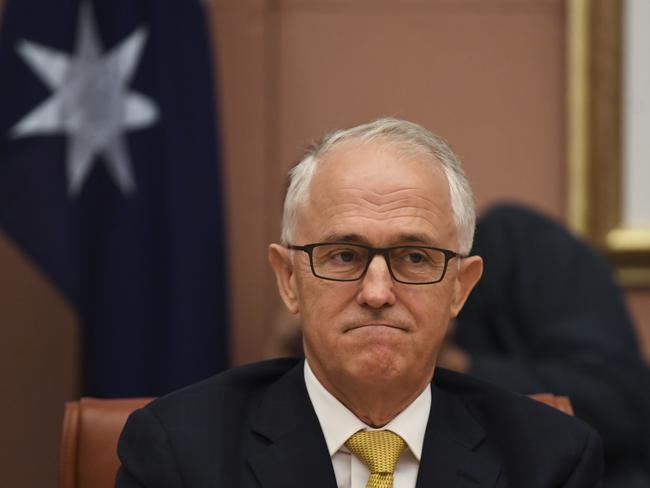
(339, 255)
(345, 256)
(415, 257)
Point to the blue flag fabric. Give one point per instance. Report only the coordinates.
(109, 181)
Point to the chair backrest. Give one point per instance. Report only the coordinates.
(91, 428)
(562, 403)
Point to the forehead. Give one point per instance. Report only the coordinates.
(380, 193)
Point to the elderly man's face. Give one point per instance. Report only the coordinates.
(375, 330)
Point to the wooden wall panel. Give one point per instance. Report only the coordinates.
(39, 372)
(489, 77)
(638, 301)
(240, 36)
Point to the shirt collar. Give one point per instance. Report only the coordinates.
(338, 423)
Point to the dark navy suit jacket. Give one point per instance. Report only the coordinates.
(255, 427)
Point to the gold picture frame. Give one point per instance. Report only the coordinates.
(594, 142)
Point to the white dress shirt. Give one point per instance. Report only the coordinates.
(339, 423)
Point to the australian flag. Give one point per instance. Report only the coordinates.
(110, 184)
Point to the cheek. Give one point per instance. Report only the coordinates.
(431, 311)
(322, 313)
(323, 303)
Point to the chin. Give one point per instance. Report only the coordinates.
(379, 365)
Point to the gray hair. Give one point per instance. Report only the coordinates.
(410, 139)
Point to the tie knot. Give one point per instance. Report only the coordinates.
(379, 450)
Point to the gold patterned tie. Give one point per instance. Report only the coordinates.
(379, 450)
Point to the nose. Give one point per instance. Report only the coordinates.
(377, 285)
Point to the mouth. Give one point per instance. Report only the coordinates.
(375, 325)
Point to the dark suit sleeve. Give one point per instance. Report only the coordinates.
(547, 316)
(145, 453)
(589, 469)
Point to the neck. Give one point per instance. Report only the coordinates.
(374, 403)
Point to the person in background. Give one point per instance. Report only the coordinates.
(377, 228)
(547, 315)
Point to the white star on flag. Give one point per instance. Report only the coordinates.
(91, 102)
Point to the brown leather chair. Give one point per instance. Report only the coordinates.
(91, 428)
(562, 403)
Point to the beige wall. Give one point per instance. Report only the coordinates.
(638, 300)
(38, 370)
(487, 74)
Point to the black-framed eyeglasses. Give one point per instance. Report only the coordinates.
(412, 265)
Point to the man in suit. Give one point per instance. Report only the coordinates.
(378, 221)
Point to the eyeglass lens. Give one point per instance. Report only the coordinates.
(348, 262)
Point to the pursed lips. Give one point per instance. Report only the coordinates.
(375, 324)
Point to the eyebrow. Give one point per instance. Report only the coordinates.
(412, 238)
(334, 237)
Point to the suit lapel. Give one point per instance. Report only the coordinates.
(291, 451)
(288, 450)
(452, 454)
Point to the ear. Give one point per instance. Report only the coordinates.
(471, 269)
(284, 276)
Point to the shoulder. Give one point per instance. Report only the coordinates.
(489, 403)
(186, 433)
(191, 416)
(249, 377)
(231, 391)
(526, 435)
